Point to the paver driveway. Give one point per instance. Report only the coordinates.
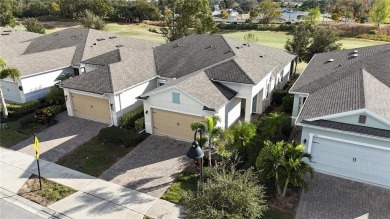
(331, 197)
(151, 167)
(61, 138)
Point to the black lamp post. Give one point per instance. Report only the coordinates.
(195, 152)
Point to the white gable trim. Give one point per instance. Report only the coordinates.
(350, 142)
(349, 113)
(344, 132)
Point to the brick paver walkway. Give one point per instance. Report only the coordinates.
(151, 167)
(61, 138)
(331, 197)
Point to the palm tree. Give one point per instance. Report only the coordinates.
(240, 134)
(274, 126)
(212, 133)
(283, 162)
(4, 73)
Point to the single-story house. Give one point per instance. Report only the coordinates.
(178, 83)
(205, 75)
(39, 64)
(342, 103)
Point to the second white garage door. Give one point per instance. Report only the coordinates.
(351, 160)
(173, 124)
(93, 108)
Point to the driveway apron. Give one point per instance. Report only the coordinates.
(61, 138)
(151, 167)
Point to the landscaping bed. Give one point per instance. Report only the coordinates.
(51, 191)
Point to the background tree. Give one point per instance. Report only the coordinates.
(90, 20)
(210, 130)
(6, 72)
(269, 11)
(248, 5)
(54, 8)
(282, 163)
(101, 7)
(224, 15)
(313, 16)
(32, 25)
(227, 194)
(183, 17)
(324, 40)
(299, 42)
(6, 14)
(380, 11)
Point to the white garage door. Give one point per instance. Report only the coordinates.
(351, 160)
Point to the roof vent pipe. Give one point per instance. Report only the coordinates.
(331, 60)
(355, 51)
(355, 55)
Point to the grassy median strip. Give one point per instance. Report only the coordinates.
(94, 157)
(51, 191)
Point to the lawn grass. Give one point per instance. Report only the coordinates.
(137, 31)
(186, 181)
(15, 132)
(94, 157)
(10, 136)
(278, 39)
(51, 191)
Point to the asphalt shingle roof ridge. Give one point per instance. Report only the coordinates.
(338, 74)
(299, 86)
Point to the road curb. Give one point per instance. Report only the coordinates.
(30, 206)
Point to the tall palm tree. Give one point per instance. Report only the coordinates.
(211, 131)
(4, 73)
(283, 162)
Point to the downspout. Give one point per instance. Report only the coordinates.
(120, 103)
(110, 105)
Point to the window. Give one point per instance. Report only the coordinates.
(175, 98)
(362, 119)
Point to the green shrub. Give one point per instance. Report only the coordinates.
(139, 124)
(278, 95)
(55, 96)
(373, 32)
(27, 120)
(208, 172)
(47, 114)
(228, 194)
(288, 102)
(19, 110)
(127, 121)
(118, 135)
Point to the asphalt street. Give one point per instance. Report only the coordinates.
(11, 211)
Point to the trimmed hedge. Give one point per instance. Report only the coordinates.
(19, 110)
(278, 96)
(139, 124)
(118, 135)
(288, 102)
(127, 121)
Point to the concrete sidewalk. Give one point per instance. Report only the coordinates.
(95, 198)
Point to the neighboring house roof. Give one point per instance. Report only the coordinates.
(222, 58)
(347, 83)
(133, 67)
(198, 85)
(350, 128)
(97, 81)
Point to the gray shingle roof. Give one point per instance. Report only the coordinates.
(101, 78)
(105, 59)
(350, 128)
(213, 94)
(228, 71)
(360, 82)
(70, 37)
(189, 54)
(135, 67)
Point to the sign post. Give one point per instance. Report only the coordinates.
(36, 143)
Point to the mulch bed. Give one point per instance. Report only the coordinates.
(289, 203)
(51, 191)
